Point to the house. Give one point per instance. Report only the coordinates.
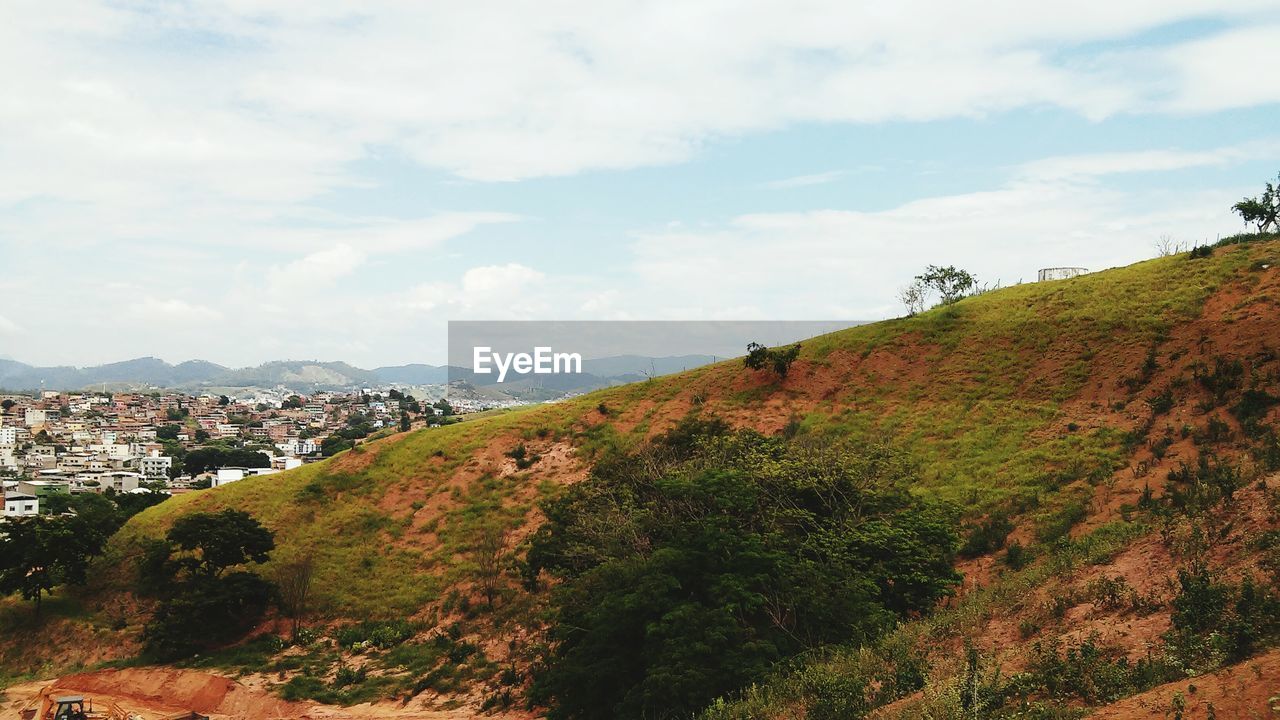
(8, 436)
(19, 504)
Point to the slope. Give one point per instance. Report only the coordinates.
(1045, 401)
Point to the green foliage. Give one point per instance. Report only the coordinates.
(381, 634)
(1018, 556)
(214, 457)
(1252, 408)
(40, 553)
(777, 360)
(1195, 488)
(1086, 671)
(949, 284)
(1216, 622)
(201, 604)
(1262, 211)
(987, 536)
(691, 566)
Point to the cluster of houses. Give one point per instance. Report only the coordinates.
(55, 442)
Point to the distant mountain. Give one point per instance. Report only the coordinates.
(414, 374)
(310, 375)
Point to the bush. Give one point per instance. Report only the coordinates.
(381, 634)
(987, 536)
(1017, 556)
(1252, 409)
(778, 360)
(1216, 622)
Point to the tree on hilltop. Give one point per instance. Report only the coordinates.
(1262, 211)
(948, 284)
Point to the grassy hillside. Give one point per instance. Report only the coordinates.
(1049, 402)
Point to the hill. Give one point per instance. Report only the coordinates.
(311, 375)
(1068, 419)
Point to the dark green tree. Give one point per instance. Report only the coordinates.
(201, 573)
(690, 568)
(168, 432)
(38, 554)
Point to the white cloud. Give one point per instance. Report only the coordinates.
(317, 271)
(8, 326)
(807, 180)
(231, 102)
(1092, 166)
(165, 311)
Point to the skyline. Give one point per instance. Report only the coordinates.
(239, 186)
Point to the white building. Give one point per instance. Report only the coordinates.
(285, 463)
(35, 416)
(18, 504)
(121, 481)
(155, 467)
(227, 475)
(8, 436)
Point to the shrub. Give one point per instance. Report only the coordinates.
(1018, 556)
(777, 360)
(1252, 408)
(1161, 402)
(381, 634)
(987, 536)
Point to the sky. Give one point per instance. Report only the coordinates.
(243, 181)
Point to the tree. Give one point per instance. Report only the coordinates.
(913, 297)
(690, 568)
(1262, 211)
(778, 360)
(7, 404)
(168, 432)
(207, 593)
(213, 542)
(39, 553)
(443, 407)
(202, 435)
(223, 400)
(294, 582)
(950, 284)
(404, 421)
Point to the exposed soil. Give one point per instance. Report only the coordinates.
(155, 692)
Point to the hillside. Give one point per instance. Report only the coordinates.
(1055, 404)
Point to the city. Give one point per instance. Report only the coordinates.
(57, 443)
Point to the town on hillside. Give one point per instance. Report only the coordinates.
(66, 443)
